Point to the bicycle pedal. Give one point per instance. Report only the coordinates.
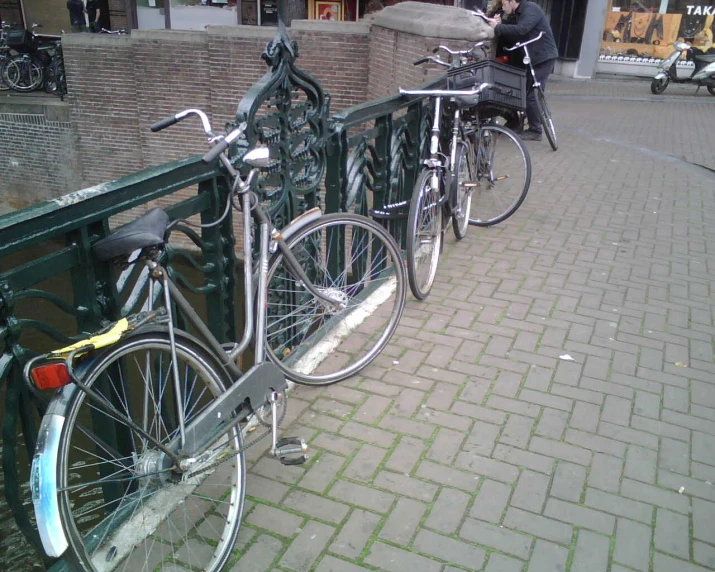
(289, 446)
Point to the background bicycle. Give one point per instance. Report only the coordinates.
(33, 62)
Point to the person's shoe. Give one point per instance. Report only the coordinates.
(530, 135)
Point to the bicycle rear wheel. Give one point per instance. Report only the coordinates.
(424, 234)
(503, 168)
(121, 509)
(23, 73)
(354, 261)
(546, 121)
(466, 181)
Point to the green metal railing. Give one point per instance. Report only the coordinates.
(366, 157)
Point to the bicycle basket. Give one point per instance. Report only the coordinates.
(22, 41)
(511, 82)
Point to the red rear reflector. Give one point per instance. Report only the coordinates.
(51, 376)
(503, 59)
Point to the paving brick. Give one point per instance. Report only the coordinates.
(322, 473)
(361, 496)
(633, 544)
(585, 416)
(524, 459)
(407, 403)
(693, 487)
(591, 552)
(513, 406)
(406, 486)
(676, 398)
(578, 394)
(260, 555)
(547, 557)
(641, 464)
(394, 559)
(616, 410)
(619, 506)
(404, 457)
(500, 563)
(315, 506)
(333, 443)
(647, 404)
(367, 433)
(704, 554)
(403, 521)
(664, 563)
(406, 426)
(449, 549)
(703, 518)
(704, 448)
(654, 495)
(355, 533)
(517, 431)
(568, 483)
(275, 520)
(660, 428)
(552, 424)
(486, 467)
(364, 464)
(538, 378)
(580, 516)
(474, 391)
(307, 546)
(479, 413)
(260, 487)
(435, 473)
(332, 564)
(482, 438)
(546, 400)
(276, 472)
(595, 443)
(628, 435)
(448, 511)
(672, 533)
(530, 491)
(442, 396)
(674, 456)
(491, 501)
(539, 526)
(445, 447)
(501, 539)
(560, 451)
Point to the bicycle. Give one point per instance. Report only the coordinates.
(544, 112)
(127, 479)
(27, 70)
(449, 180)
(55, 77)
(4, 52)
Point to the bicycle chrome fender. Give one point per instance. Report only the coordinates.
(43, 484)
(301, 221)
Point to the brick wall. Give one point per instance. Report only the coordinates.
(10, 11)
(117, 14)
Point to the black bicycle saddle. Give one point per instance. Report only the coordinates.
(147, 230)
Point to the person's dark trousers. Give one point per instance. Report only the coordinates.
(542, 72)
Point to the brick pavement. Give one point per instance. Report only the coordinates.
(551, 406)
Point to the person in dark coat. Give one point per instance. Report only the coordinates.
(527, 22)
(78, 23)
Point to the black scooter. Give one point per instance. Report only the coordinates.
(703, 74)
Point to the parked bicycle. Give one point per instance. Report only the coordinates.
(55, 77)
(32, 63)
(469, 182)
(4, 52)
(544, 112)
(141, 459)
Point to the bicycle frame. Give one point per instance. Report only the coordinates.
(527, 58)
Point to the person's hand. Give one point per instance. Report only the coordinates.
(494, 22)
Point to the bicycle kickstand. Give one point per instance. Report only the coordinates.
(289, 450)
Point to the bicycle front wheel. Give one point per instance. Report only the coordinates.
(546, 121)
(121, 507)
(503, 168)
(23, 73)
(356, 263)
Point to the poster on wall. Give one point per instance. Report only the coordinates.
(648, 29)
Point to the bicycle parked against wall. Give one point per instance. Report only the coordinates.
(55, 78)
(470, 182)
(546, 120)
(125, 480)
(4, 52)
(30, 66)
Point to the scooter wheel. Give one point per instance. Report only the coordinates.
(711, 89)
(658, 85)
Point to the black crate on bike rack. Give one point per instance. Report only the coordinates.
(22, 41)
(511, 82)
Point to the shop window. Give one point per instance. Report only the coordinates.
(186, 14)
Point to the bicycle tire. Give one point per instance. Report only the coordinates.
(547, 123)
(503, 167)
(144, 517)
(424, 234)
(466, 178)
(23, 74)
(314, 344)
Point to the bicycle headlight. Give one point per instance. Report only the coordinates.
(527, 60)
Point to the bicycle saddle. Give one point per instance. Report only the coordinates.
(147, 230)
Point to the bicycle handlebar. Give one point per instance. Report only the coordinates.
(522, 44)
(432, 59)
(459, 52)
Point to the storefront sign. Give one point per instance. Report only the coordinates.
(701, 10)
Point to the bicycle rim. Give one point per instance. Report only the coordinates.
(22, 74)
(466, 181)
(546, 121)
(503, 175)
(121, 509)
(424, 235)
(354, 261)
